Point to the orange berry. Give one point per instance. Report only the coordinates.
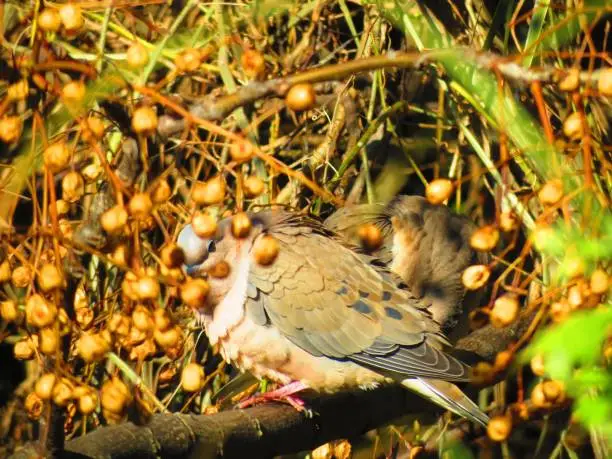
(570, 81)
(114, 219)
(241, 225)
(161, 192)
(253, 63)
(56, 156)
(93, 129)
(241, 151)
(572, 126)
(301, 97)
(502, 360)
(9, 311)
(220, 270)
(604, 84)
(162, 319)
(266, 249)
(71, 17)
(19, 90)
(537, 397)
(140, 206)
(147, 288)
(73, 186)
(484, 238)
(24, 349)
(370, 236)
(169, 338)
(73, 92)
(253, 186)
(144, 120)
(84, 317)
(475, 276)
(50, 277)
(576, 296)
(92, 347)
(49, 20)
(172, 256)
(188, 61)
(88, 402)
(551, 193)
(62, 392)
(5, 271)
(505, 310)
(44, 386)
(499, 428)
(62, 207)
(21, 276)
(115, 396)
(34, 406)
(192, 377)
(210, 192)
(554, 392)
(194, 292)
(142, 318)
(48, 339)
(10, 128)
(119, 324)
(204, 225)
(439, 190)
(120, 255)
(39, 312)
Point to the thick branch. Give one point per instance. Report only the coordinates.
(273, 429)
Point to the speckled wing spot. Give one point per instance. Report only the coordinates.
(361, 307)
(393, 313)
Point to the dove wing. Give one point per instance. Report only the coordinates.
(331, 301)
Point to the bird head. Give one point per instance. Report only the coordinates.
(221, 258)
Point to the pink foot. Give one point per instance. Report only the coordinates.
(282, 394)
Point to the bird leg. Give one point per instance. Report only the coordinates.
(282, 394)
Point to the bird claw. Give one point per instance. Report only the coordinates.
(283, 394)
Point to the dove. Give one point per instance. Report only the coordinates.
(321, 315)
(427, 246)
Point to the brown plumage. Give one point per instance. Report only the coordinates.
(321, 313)
(428, 247)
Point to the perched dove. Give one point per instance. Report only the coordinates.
(427, 246)
(320, 315)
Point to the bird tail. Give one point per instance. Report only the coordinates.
(448, 396)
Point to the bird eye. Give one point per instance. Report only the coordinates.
(211, 247)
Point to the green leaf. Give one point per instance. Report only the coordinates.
(577, 341)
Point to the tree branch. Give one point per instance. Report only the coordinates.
(273, 429)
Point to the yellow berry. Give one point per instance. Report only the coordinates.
(439, 190)
(499, 428)
(253, 186)
(484, 238)
(137, 55)
(194, 292)
(49, 20)
(266, 249)
(73, 186)
(192, 378)
(71, 17)
(10, 128)
(241, 225)
(56, 156)
(301, 97)
(475, 276)
(144, 120)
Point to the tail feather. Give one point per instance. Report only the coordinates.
(448, 396)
